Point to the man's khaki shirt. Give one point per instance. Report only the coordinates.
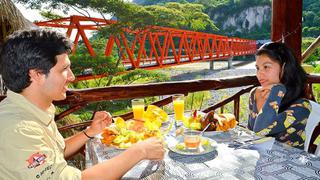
(31, 145)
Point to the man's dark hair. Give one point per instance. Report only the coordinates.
(294, 77)
(30, 49)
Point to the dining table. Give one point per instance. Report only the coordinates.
(236, 154)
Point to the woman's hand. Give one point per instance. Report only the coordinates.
(101, 119)
(262, 94)
(151, 149)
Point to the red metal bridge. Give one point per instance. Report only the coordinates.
(156, 47)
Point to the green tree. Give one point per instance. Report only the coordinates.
(311, 18)
(186, 16)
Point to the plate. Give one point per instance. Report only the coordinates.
(203, 149)
(125, 137)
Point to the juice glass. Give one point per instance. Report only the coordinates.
(192, 139)
(178, 106)
(138, 108)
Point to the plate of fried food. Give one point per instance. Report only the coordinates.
(123, 134)
(123, 138)
(218, 122)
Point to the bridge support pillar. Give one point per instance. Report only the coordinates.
(211, 65)
(230, 62)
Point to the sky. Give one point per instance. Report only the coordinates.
(33, 15)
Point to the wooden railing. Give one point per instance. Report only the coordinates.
(79, 98)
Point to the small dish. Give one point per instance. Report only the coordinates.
(207, 145)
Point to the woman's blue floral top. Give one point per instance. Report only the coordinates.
(287, 126)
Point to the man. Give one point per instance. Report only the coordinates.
(36, 70)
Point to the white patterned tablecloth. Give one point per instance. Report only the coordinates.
(278, 161)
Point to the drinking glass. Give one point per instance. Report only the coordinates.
(178, 106)
(192, 139)
(138, 108)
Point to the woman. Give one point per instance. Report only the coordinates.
(277, 107)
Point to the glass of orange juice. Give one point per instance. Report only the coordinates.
(138, 108)
(178, 106)
(192, 139)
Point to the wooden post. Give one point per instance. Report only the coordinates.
(211, 65)
(287, 24)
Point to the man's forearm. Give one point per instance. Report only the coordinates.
(74, 143)
(116, 167)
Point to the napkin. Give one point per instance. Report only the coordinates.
(262, 144)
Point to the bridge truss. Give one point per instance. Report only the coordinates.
(156, 47)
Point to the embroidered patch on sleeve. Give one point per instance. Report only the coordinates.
(280, 94)
(36, 160)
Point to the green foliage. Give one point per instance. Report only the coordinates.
(211, 3)
(311, 31)
(158, 2)
(311, 18)
(49, 15)
(97, 65)
(71, 119)
(197, 100)
(140, 76)
(135, 17)
(244, 109)
(316, 87)
(166, 16)
(186, 16)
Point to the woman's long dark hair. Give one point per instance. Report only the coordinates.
(293, 78)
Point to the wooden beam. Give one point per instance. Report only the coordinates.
(84, 96)
(286, 24)
(311, 49)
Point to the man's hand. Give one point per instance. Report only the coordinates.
(101, 119)
(151, 149)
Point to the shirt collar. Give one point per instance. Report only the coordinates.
(40, 115)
